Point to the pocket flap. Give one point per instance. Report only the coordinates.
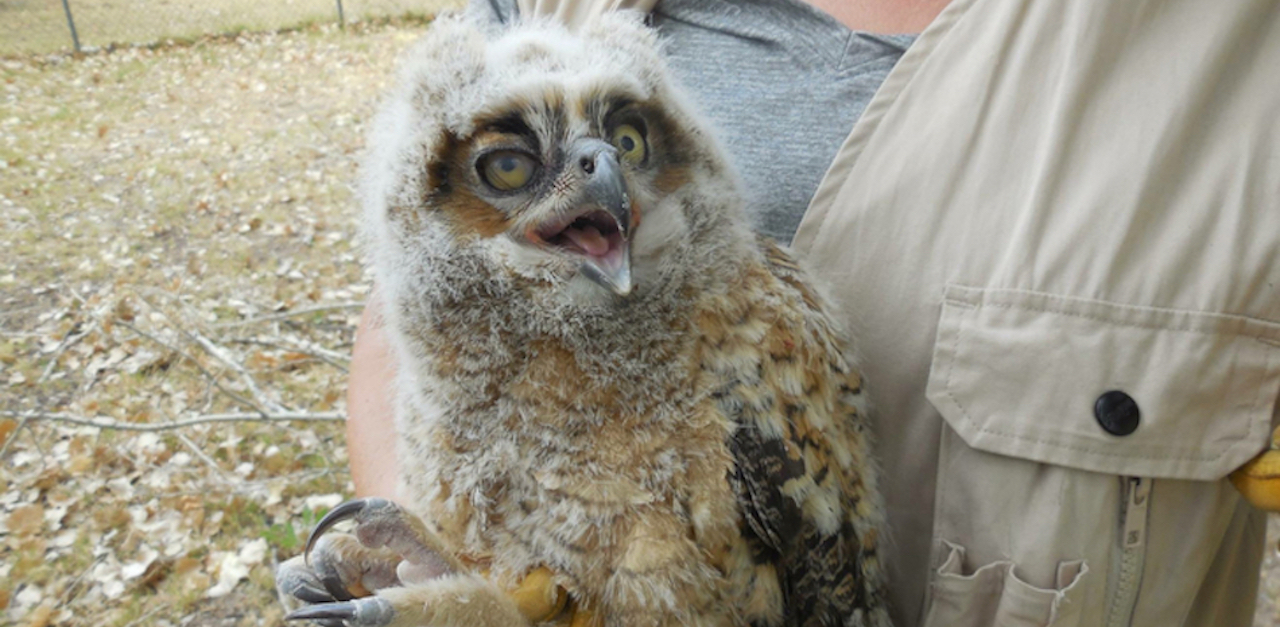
(1018, 373)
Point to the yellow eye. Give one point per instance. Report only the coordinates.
(629, 142)
(507, 170)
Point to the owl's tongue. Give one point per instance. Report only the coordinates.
(599, 239)
(594, 234)
(589, 239)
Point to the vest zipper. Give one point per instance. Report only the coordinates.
(1133, 552)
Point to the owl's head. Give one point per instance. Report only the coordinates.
(559, 161)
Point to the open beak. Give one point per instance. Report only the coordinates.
(608, 189)
(599, 229)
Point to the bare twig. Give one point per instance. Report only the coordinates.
(209, 395)
(19, 334)
(67, 342)
(5, 313)
(13, 437)
(22, 422)
(333, 358)
(209, 375)
(220, 354)
(73, 588)
(195, 450)
(301, 311)
(147, 615)
(105, 423)
(217, 352)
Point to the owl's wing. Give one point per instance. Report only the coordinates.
(803, 475)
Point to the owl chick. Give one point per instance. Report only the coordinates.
(604, 376)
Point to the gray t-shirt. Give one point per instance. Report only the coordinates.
(782, 84)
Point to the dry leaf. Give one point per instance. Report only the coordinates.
(124, 310)
(26, 520)
(155, 573)
(234, 567)
(322, 501)
(184, 565)
(7, 427)
(135, 569)
(41, 616)
(80, 464)
(49, 478)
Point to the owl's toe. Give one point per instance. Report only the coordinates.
(297, 582)
(381, 524)
(339, 573)
(347, 569)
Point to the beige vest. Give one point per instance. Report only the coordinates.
(1047, 202)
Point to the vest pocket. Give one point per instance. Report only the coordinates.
(1037, 376)
(994, 596)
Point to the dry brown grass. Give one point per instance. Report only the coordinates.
(40, 26)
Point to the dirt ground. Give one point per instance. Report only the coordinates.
(176, 227)
(176, 244)
(41, 26)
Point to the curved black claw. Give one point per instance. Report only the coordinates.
(366, 612)
(345, 511)
(339, 611)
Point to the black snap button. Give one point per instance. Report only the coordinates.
(1117, 412)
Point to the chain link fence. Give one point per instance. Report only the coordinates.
(50, 26)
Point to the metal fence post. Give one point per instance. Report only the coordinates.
(75, 39)
(342, 22)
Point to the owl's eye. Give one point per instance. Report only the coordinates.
(507, 170)
(629, 142)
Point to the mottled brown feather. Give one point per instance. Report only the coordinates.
(823, 572)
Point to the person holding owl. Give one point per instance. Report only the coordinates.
(1055, 233)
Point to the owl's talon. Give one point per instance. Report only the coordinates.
(366, 612)
(342, 569)
(335, 586)
(297, 581)
(380, 523)
(338, 572)
(345, 511)
(309, 594)
(339, 611)
(338, 565)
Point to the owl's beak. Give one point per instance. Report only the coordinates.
(598, 231)
(607, 189)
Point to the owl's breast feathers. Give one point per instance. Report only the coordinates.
(715, 452)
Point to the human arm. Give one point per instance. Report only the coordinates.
(370, 401)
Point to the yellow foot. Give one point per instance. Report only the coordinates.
(1259, 479)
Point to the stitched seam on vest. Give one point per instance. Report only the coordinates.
(1238, 318)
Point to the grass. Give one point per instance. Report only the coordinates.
(40, 26)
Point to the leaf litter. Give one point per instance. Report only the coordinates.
(178, 234)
